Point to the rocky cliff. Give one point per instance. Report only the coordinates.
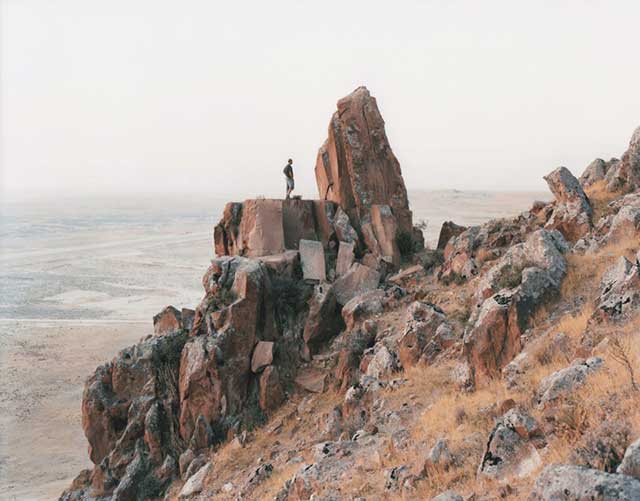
(333, 357)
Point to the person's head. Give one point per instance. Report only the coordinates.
(290, 161)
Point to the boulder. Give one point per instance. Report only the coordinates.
(526, 277)
(572, 213)
(253, 228)
(385, 228)
(362, 307)
(631, 462)
(625, 175)
(449, 230)
(345, 258)
(439, 456)
(167, 321)
(298, 222)
(558, 482)
(215, 367)
(382, 364)
(619, 291)
(357, 280)
(625, 224)
(263, 227)
(356, 167)
(426, 333)
(262, 356)
(312, 259)
(323, 321)
(595, 172)
(312, 380)
(195, 484)
(286, 264)
(448, 496)
(410, 276)
(465, 253)
(271, 392)
(509, 453)
(563, 382)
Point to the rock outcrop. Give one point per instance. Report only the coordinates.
(572, 213)
(619, 291)
(561, 383)
(357, 169)
(527, 276)
(624, 175)
(263, 227)
(577, 482)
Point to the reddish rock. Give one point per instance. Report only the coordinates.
(525, 278)
(167, 321)
(187, 316)
(358, 149)
(572, 213)
(298, 222)
(323, 321)
(312, 380)
(271, 393)
(624, 175)
(215, 369)
(385, 228)
(426, 333)
(353, 347)
(356, 167)
(449, 230)
(262, 355)
(357, 280)
(408, 277)
(286, 264)
(362, 307)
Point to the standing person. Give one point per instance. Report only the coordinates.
(288, 173)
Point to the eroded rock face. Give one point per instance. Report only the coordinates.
(625, 175)
(465, 253)
(619, 291)
(264, 227)
(427, 333)
(631, 462)
(449, 230)
(183, 388)
(357, 169)
(563, 382)
(510, 452)
(509, 294)
(595, 172)
(324, 321)
(572, 213)
(129, 419)
(577, 482)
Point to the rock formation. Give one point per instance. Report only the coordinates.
(327, 342)
(357, 169)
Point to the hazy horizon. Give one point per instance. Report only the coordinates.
(117, 98)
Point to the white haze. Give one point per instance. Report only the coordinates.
(211, 97)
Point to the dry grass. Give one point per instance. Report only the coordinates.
(585, 271)
(600, 196)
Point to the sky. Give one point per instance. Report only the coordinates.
(209, 97)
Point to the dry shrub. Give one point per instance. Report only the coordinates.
(603, 447)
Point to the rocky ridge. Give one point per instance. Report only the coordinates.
(328, 339)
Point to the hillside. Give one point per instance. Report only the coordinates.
(333, 356)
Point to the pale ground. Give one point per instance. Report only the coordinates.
(44, 366)
(79, 283)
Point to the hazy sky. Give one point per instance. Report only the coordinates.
(198, 97)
